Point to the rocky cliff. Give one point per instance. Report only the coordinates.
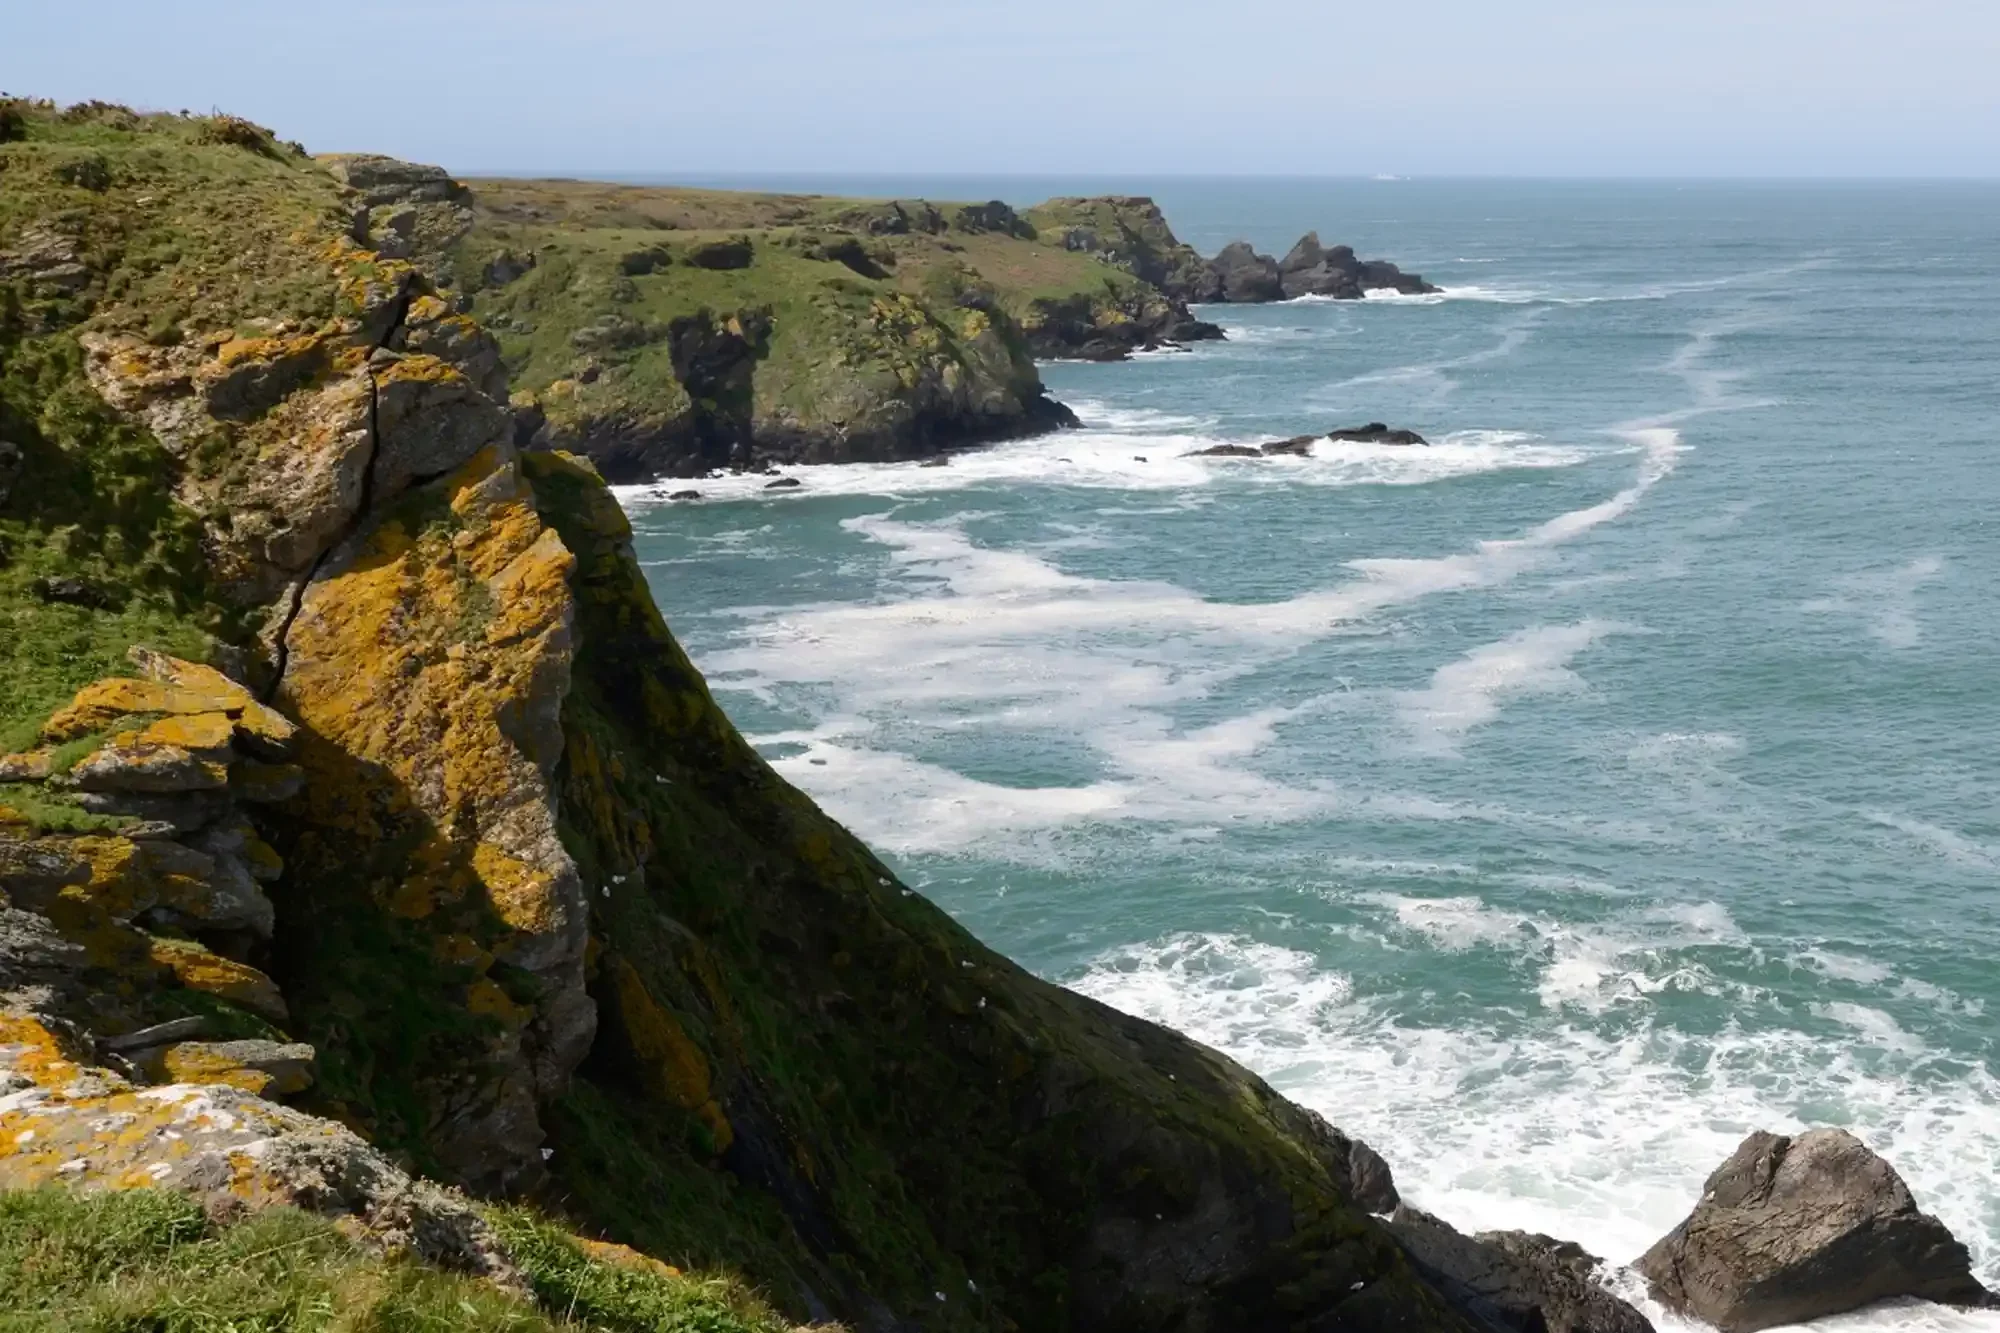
(365, 836)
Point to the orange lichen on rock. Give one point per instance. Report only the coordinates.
(670, 1065)
(199, 969)
(430, 663)
(624, 1256)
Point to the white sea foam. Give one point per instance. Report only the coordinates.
(1951, 845)
(1143, 452)
(1558, 1127)
(982, 636)
(1468, 693)
(1885, 601)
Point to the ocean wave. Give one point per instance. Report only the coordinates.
(1467, 694)
(1557, 1126)
(1132, 451)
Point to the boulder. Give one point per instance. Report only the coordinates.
(1226, 451)
(1792, 1229)
(685, 495)
(1375, 432)
(784, 484)
(1241, 274)
(1516, 1280)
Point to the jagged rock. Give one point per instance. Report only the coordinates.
(440, 728)
(201, 969)
(1793, 1229)
(1241, 274)
(1375, 432)
(1519, 1281)
(387, 180)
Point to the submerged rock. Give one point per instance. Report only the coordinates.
(1517, 1280)
(1792, 1229)
(1226, 451)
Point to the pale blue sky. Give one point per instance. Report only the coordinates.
(1421, 87)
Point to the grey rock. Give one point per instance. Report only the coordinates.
(1514, 1279)
(1792, 1229)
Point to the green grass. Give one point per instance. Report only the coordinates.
(146, 1261)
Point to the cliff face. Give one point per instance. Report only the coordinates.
(447, 860)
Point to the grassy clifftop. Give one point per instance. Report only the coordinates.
(672, 330)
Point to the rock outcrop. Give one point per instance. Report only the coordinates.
(1517, 1280)
(1791, 1229)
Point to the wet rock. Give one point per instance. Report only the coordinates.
(1227, 451)
(1792, 1229)
(942, 460)
(784, 484)
(1530, 1283)
(684, 495)
(1375, 432)
(1299, 446)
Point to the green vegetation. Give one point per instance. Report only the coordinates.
(147, 1260)
(895, 323)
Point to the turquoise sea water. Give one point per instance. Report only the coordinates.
(1550, 806)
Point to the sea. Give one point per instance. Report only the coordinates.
(1551, 805)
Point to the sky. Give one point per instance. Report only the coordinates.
(1632, 88)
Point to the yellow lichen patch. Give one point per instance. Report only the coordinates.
(518, 892)
(173, 687)
(201, 732)
(670, 1066)
(624, 1256)
(30, 1049)
(197, 969)
(485, 998)
(419, 368)
(196, 1062)
(32, 766)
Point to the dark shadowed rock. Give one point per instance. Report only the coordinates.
(1241, 274)
(1375, 432)
(685, 495)
(784, 484)
(1226, 451)
(1300, 446)
(1515, 1280)
(76, 592)
(1791, 1229)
